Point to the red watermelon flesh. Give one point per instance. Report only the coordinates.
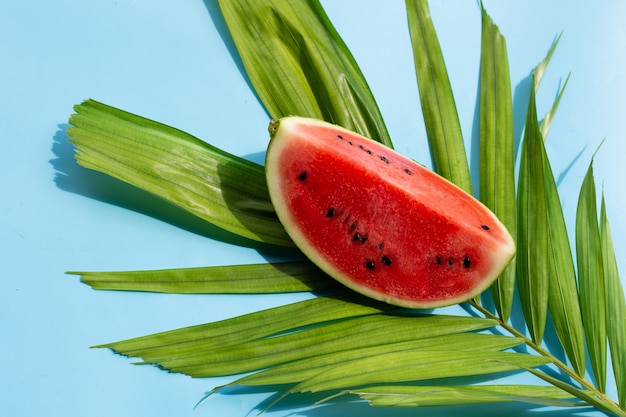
(377, 221)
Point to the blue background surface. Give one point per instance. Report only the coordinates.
(169, 61)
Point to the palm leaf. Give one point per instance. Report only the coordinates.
(227, 353)
(298, 371)
(248, 327)
(542, 66)
(497, 163)
(427, 396)
(405, 366)
(591, 277)
(225, 190)
(325, 343)
(615, 307)
(232, 279)
(546, 122)
(443, 128)
(532, 261)
(563, 291)
(299, 65)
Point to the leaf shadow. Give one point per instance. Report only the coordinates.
(73, 178)
(300, 405)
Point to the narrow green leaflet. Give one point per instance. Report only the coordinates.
(532, 230)
(443, 128)
(563, 293)
(406, 366)
(538, 74)
(299, 65)
(345, 343)
(326, 338)
(596, 399)
(232, 279)
(615, 307)
(298, 371)
(248, 327)
(591, 277)
(547, 119)
(497, 163)
(427, 396)
(541, 68)
(225, 190)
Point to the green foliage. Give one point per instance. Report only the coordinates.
(298, 64)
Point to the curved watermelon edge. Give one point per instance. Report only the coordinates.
(302, 243)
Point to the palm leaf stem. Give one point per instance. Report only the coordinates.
(603, 399)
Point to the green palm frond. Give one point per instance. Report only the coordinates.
(298, 64)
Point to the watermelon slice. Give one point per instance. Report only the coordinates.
(379, 222)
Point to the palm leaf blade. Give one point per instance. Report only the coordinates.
(297, 371)
(497, 165)
(563, 293)
(363, 331)
(532, 232)
(406, 366)
(230, 279)
(299, 65)
(616, 307)
(591, 277)
(439, 109)
(427, 396)
(247, 327)
(225, 190)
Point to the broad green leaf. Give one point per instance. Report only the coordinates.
(347, 334)
(247, 327)
(406, 366)
(532, 232)
(232, 279)
(497, 163)
(443, 128)
(563, 292)
(297, 371)
(427, 396)
(591, 277)
(299, 65)
(615, 306)
(225, 190)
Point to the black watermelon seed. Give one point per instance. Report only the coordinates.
(302, 176)
(368, 151)
(340, 137)
(363, 239)
(361, 146)
(438, 260)
(352, 226)
(350, 142)
(485, 227)
(466, 262)
(369, 265)
(450, 261)
(385, 260)
(356, 237)
(384, 159)
(330, 212)
(380, 245)
(408, 171)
